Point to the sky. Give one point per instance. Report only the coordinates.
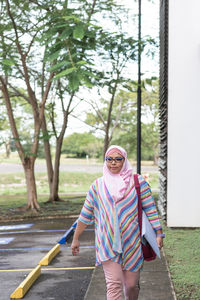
(149, 66)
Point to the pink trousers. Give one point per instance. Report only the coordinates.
(118, 280)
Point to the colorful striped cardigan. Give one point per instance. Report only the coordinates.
(117, 234)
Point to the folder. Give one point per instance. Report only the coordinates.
(149, 234)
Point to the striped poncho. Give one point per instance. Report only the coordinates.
(100, 208)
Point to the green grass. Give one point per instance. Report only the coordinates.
(13, 193)
(76, 182)
(153, 179)
(183, 255)
(14, 183)
(12, 207)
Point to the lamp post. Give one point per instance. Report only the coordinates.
(139, 92)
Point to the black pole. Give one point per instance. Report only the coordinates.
(139, 92)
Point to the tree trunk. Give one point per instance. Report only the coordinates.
(106, 144)
(28, 165)
(7, 145)
(55, 184)
(48, 157)
(54, 191)
(27, 162)
(155, 159)
(107, 138)
(156, 155)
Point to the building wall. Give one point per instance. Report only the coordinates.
(183, 161)
(163, 107)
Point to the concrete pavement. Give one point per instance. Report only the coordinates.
(28, 246)
(24, 244)
(155, 282)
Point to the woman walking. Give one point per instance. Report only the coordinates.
(112, 204)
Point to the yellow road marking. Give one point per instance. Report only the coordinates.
(50, 269)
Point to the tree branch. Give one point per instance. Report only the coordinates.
(93, 126)
(18, 93)
(117, 119)
(97, 111)
(45, 96)
(12, 119)
(23, 59)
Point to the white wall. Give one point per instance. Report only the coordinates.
(183, 201)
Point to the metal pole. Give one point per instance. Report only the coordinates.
(139, 92)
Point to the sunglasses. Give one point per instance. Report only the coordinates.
(116, 159)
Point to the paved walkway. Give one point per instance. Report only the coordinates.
(155, 282)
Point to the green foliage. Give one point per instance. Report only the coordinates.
(82, 144)
(60, 44)
(55, 34)
(79, 32)
(54, 37)
(65, 72)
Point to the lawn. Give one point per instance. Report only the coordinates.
(12, 207)
(183, 256)
(72, 190)
(14, 183)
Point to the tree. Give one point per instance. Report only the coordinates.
(150, 122)
(82, 144)
(120, 50)
(47, 47)
(31, 57)
(19, 31)
(74, 31)
(125, 132)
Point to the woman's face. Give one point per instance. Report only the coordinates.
(114, 162)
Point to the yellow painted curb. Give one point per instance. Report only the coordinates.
(26, 284)
(50, 255)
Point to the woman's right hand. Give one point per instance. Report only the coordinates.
(75, 247)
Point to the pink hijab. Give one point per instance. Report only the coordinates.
(117, 184)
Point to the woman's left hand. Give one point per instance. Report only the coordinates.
(159, 240)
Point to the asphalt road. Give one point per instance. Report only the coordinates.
(87, 168)
(28, 246)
